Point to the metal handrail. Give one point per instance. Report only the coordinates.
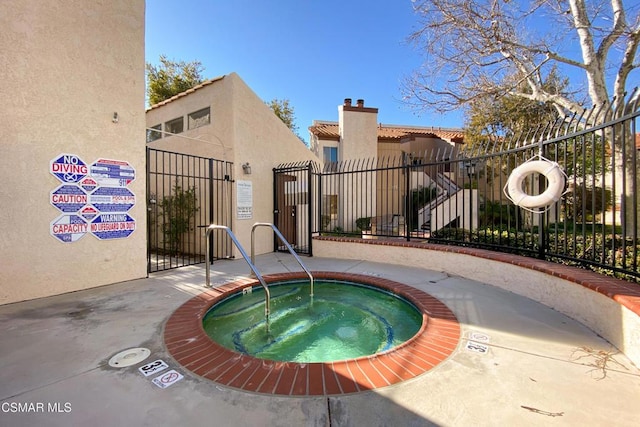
(210, 228)
(286, 243)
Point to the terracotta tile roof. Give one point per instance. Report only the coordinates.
(391, 133)
(326, 130)
(637, 141)
(186, 92)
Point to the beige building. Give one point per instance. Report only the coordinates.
(358, 139)
(73, 106)
(74, 196)
(358, 135)
(224, 119)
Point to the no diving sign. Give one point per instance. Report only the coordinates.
(68, 168)
(168, 378)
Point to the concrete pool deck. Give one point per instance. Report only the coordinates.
(518, 362)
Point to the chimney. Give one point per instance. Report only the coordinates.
(360, 103)
(347, 102)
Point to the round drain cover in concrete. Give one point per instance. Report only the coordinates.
(129, 357)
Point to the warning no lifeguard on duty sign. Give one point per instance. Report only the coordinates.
(93, 199)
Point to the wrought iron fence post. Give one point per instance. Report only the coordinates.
(407, 205)
(542, 218)
(149, 209)
(211, 209)
(310, 208)
(318, 223)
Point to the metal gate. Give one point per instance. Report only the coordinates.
(292, 201)
(186, 193)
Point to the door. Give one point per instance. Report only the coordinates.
(285, 215)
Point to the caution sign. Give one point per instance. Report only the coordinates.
(68, 198)
(112, 173)
(69, 228)
(112, 199)
(107, 226)
(68, 168)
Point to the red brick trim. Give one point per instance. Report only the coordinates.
(187, 342)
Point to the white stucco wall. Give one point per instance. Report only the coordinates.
(66, 68)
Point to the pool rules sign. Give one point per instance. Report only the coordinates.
(92, 198)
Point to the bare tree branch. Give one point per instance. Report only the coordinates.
(472, 47)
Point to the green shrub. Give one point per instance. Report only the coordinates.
(177, 211)
(364, 223)
(583, 202)
(496, 213)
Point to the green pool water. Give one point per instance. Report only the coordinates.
(341, 321)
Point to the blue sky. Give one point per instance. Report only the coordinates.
(314, 53)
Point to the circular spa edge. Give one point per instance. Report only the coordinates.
(187, 342)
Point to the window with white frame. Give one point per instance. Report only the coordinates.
(330, 154)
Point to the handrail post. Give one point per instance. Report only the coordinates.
(210, 228)
(286, 243)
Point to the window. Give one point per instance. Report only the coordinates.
(330, 157)
(199, 118)
(447, 165)
(152, 135)
(329, 212)
(330, 154)
(174, 126)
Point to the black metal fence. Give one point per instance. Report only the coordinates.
(292, 203)
(184, 194)
(460, 197)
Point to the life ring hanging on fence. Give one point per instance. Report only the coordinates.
(550, 170)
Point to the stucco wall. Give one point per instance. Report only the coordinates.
(243, 130)
(66, 68)
(358, 133)
(264, 141)
(214, 140)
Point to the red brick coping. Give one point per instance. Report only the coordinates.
(190, 346)
(624, 293)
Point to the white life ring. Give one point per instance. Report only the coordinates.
(549, 170)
